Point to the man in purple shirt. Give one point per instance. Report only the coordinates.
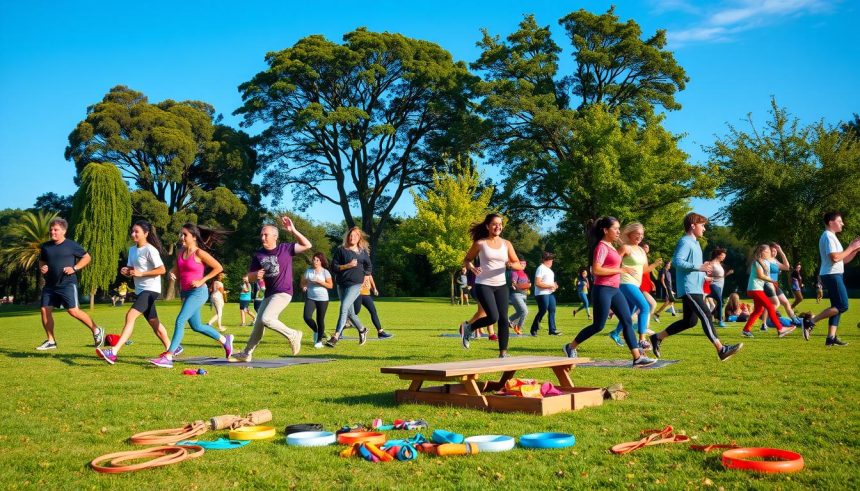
(273, 263)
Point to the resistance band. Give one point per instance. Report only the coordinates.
(653, 437)
(163, 455)
(170, 436)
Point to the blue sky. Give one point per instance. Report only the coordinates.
(57, 58)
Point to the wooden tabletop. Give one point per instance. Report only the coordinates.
(490, 365)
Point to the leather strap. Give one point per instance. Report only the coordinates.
(652, 437)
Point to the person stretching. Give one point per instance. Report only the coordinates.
(145, 266)
(316, 282)
(833, 259)
(545, 287)
(607, 268)
(273, 263)
(496, 254)
(60, 259)
(191, 262)
(690, 277)
(759, 277)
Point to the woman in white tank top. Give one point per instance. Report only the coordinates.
(496, 255)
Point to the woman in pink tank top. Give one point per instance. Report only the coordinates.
(496, 255)
(607, 268)
(191, 263)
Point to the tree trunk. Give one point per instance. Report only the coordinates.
(453, 302)
(170, 293)
(92, 299)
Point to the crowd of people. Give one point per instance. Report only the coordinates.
(617, 282)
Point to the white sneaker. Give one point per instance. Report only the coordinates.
(318, 345)
(296, 343)
(240, 357)
(46, 346)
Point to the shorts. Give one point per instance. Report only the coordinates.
(61, 296)
(837, 294)
(772, 290)
(145, 304)
(670, 295)
(243, 304)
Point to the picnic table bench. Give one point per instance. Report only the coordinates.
(468, 391)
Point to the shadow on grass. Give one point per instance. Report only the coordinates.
(68, 359)
(380, 399)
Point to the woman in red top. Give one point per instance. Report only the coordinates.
(607, 269)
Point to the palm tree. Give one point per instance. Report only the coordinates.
(22, 242)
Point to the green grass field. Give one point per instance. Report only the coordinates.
(62, 408)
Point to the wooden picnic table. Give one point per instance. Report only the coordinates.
(468, 391)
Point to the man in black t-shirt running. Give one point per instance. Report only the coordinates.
(59, 261)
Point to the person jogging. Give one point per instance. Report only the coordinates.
(690, 274)
(146, 267)
(60, 259)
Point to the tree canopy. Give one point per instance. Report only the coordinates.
(358, 124)
(101, 219)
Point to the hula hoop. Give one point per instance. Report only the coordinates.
(547, 440)
(738, 459)
(353, 437)
(311, 438)
(492, 443)
(252, 433)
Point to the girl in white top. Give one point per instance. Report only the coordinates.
(217, 298)
(316, 282)
(545, 286)
(146, 267)
(496, 254)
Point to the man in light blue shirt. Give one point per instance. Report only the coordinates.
(690, 274)
(833, 259)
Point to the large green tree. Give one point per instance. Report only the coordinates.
(101, 216)
(20, 246)
(358, 124)
(781, 177)
(587, 143)
(444, 213)
(181, 163)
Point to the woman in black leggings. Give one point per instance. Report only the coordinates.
(365, 297)
(316, 282)
(496, 255)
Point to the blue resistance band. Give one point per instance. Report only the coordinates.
(219, 444)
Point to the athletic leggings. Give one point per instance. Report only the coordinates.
(545, 303)
(583, 298)
(368, 303)
(717, 295)
(318, 327)
(762, 303)
(192, 300)
(636, 301)
(608, 298)
(494, 300)
(694, 310)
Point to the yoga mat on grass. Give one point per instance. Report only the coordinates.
(624, 364)
(272, 363)
(482, 336)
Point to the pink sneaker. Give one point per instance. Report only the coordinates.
(106, 354)
(162, 361)
(228, 346)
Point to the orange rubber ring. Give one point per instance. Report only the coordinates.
(361, 437)
(737, 459)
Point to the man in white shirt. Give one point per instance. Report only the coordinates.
(833, 259)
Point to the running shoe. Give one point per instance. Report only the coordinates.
(729, 351)
(332, 342)
(555, 333)
(107, 355)
(179, 350)
(296, 344)
(722, 324)
(47, 345)
(644, 345)
(643, 361)
(504, 355)
(228, 346)
(568, 351)
(383, 335)
(465, 334)
(98, 336)
(318, 345)
(807, 325)
(615, 337)
(240, 357)
(746, 334)
(785, 331)
(655, 345)
(763, 328)
(162, 361)
(362, 337)
(834, 341)
(656, 318)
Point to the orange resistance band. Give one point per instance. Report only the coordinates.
(167, 437)
(653, 437)
(163, 455)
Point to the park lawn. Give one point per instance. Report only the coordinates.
(62, 408)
